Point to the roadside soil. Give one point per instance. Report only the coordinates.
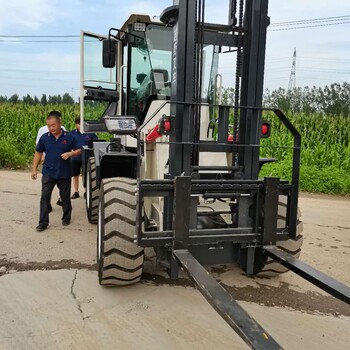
(50, 295)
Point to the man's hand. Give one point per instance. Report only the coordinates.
(34, 174)
(36, 161)
(66, 155)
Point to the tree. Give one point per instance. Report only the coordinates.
(14, 98)
(52, 100)
(330, 100)
(228, 95)
(278, 99)
(28, 100)
(67, 99)
(43, 100)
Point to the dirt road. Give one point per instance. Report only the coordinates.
(50, 297)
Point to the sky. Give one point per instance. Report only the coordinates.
(35, 68)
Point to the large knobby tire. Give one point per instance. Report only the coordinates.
(92, 192)
(119, 259)
(271, 267)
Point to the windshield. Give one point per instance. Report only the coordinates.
(150, 68)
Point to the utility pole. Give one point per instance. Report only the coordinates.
(292, 84)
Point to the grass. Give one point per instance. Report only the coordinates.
(330, 179)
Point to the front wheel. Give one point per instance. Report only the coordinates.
(92, 192)
(119, 259)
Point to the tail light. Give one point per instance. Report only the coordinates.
(265, 129)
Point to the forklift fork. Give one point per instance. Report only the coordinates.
(228, 308)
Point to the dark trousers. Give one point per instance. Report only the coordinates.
(47, 185)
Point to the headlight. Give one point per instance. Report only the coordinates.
(120, 124)
(139, 27)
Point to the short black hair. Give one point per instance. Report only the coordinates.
(55, 114)
(77, 120)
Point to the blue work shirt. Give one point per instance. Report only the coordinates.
(54, 166)
(82, 139)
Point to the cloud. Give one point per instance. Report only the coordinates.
(25, 14)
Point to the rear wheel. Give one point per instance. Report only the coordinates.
(120, 260)
(92, 192)
(291, 246)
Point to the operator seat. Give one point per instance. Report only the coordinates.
(160, 78)
(155, 86)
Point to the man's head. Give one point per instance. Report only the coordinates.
(53, 122)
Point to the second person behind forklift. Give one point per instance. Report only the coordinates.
(76, 161)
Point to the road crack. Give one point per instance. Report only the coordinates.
(75, 297)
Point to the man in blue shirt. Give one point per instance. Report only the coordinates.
(44, 130)
(57, 145)
(83, 140)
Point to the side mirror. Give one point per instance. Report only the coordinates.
(108, 53)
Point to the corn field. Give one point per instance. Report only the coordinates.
(325, 140)
(325, 152)
(325, 156)
(19, 126)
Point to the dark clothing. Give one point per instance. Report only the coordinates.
(47, 185)
(56, 171)
(54, 166)
(76, 166)
(82, 140)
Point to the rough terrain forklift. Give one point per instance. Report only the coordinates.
(181, 172)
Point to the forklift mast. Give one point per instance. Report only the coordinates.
(246, 34)
(248, 37)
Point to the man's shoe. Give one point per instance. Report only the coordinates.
(75, 195)
(65, 222)
(59, 202)
(41, 227)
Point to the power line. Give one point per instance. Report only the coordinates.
(308, 58)
(287, 23)
(5, 38)
(308, 26)
(39, 36)
(290, 25)
(39, 41)
(301, 21)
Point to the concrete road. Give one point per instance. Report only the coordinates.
(50, 297)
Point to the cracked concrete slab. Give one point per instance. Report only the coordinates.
(66, 309)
